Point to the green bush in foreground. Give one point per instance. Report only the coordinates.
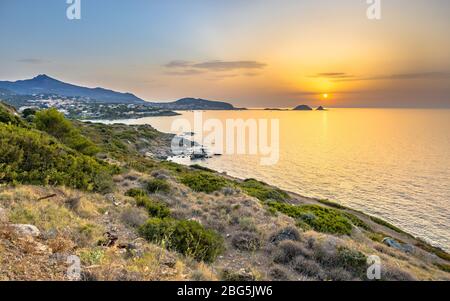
(321, 219)
(7, 115)
(56, 125)
(352, 260)
(186, 237)
(201, 181)
(32, 157)
(262, 191)
(155, 209)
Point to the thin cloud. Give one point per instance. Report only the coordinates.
(401, 76)
(227, 66)
(189, 68)
(186, 72)
(178, 64)
(333, 75)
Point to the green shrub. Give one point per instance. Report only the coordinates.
(56, 125)
(134, 192)
(199, 167)
(32, 157)
(434, 250)
(351, 260)
(321, 219)
(332, 204)
(357, 221)
(155, 209)
(28, 112)
(201, 181)
(8, 115)
(186, 237)
(386, 224)
(157, 185)
(262, 191)
(92, 257)
(443, 267)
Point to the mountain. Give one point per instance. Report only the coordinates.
(302, 108)
(43, 87)
(43, 84)
(195, 104)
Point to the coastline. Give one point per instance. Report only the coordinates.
(167, 156)
(241, 229)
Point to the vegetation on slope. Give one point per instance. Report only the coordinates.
(202, 181)
(321, 219)
(158, 209)
(187, 237)
(34, 157)
(263, 192)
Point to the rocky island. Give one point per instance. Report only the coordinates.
(303, 108)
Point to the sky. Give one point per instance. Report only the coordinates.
(252, 53)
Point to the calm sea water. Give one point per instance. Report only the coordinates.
(391, 163)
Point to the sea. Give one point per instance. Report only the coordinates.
(389, 163)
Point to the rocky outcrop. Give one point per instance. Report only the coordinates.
(26, 230)
(390, 242)
(303, 108)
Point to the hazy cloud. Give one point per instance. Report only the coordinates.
(178, 64)
(227, 66)
(401, 76)
(190, 68)
(185, 72)
(333, 75)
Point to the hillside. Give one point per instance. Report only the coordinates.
(43, 91)
(43, 84)
(104, 194)
(195, 104)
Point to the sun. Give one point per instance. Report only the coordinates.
(325, 96)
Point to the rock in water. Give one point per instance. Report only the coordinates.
(320, 108)
(26, 230)
(302, 108)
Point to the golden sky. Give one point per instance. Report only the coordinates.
(252, 53)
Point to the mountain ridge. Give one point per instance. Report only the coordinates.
(44, 84)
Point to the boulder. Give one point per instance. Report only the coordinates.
(302, 108)
(390, 242)
(240, 275)
(26, 230)
(320, 108)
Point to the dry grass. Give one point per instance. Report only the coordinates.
(74, 222)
